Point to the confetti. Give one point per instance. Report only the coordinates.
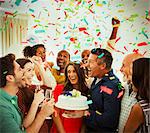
(73, 39)
(120, 94)
(89, 102)
(34, 1)
(97, 112)
(76, 52)
(85, 21)
(125, 48)
(101, 55)
(82, 29)
(98, 33)
(86, 33)
(39, 31)
(142, 44)
(111, 78)
(9, 13)
(106, 90)
(18, 2)
(117, 40)
(31, 10)
(120, 11)
(143, 32)
(136, 51)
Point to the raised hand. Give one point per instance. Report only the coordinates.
(37, 60)
(115, 21)
(47, 108)
(38, 97)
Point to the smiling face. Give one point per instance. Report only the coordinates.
(127, 63)
(85, 55)
(125, 69)
(96, 66)
(72, 75)
(62, 59)
(41, 53)
(28, 73)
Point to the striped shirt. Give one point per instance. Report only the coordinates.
(145, 127)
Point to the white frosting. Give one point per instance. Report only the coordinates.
(72, 103)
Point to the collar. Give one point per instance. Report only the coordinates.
(3, 93)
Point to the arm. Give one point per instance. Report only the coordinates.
(58, 122)
(38, 98)
(115, 24)
(135, 119)
(111, 41)
(46, 110)
(46, 75)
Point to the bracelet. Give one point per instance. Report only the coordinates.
(116, 25)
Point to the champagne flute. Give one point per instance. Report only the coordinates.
(48, 96)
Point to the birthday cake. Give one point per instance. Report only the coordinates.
(72, 100)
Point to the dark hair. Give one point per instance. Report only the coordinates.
(29, 51)
(64, 52)
(22, 62)
(140, 77)
(6, 68)
(82, 83)
(27, 95)
(104, 55)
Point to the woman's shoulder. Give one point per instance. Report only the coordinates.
(137, 109)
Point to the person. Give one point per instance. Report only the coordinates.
(130, 94)
(138, 120)
(63, 58)
(105, 93)
(28, 91)
(25, 95)
(11, 76)
(109, 46)
(84, 56)
(74, 80)
(38, 53)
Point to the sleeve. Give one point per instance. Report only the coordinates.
(7, 122)
(111, 108)
(57, 91)
(60, 79)
(52, 79)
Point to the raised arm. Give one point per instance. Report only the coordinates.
(38, 98)
(46, 75)
(112, 40)
(46, 110)
(115, 25)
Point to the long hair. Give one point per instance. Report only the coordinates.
(81, 79)
(141, 77)
(29, 51)
(27, 94)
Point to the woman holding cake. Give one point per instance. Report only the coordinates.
(75, 80)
